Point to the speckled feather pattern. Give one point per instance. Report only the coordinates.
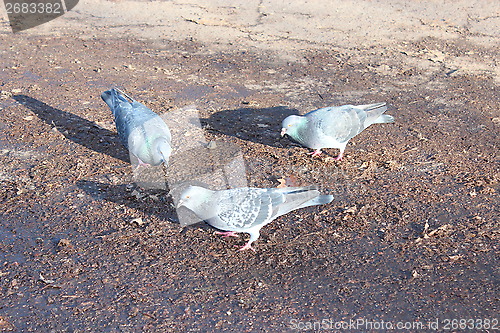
(242, 208)
(333, 127)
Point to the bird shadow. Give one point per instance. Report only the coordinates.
(251, 124)
(151, 202)
(77, 129)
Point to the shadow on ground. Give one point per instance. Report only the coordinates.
(151, 202)
(256, 125)
(76, 128)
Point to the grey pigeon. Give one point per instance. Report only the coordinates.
(333, 127)
(141, 131)
(247, 209)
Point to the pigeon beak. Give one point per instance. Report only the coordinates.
(283, 131)
(180, 203)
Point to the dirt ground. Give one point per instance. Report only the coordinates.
(411, 235)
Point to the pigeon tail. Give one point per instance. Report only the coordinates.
(294, 197)
(374, 114)
(319, 200)
(108, 97)
(113, 96)
(384, 119)
(371, 107)
(124, 94)
(290, 190)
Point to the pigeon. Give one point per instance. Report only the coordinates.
(333, 127)
(247, 209)
(140, 130)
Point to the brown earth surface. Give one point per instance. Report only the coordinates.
(411, 236)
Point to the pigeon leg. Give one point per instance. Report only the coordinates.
(317, 152)
(254, 235)
(341, 154)
(142, 163)
(227, 233)
(247, 246)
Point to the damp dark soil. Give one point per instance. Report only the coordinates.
(411, 236)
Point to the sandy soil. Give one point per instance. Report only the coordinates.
(411, 236)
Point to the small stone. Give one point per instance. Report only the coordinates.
(137, 194)
(5, 94)
(137, 221)
(134, 311)
(64, 242)
(351, 210)
(5, 325)
(44, 280)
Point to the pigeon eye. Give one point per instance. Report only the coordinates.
(289, 125)
(187, 197)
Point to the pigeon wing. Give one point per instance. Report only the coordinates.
(340, 123)
(144, 127)
(242, 208)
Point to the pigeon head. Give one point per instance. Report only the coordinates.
(194, 197)
(162, 151)
(291, 124)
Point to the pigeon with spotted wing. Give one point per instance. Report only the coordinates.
(247, 209)
(333, 127)
(140, 130)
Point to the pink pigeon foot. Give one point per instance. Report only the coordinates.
(140, 165)
(227, 233)
(315, 153)
(247, 246)
(339, 158)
